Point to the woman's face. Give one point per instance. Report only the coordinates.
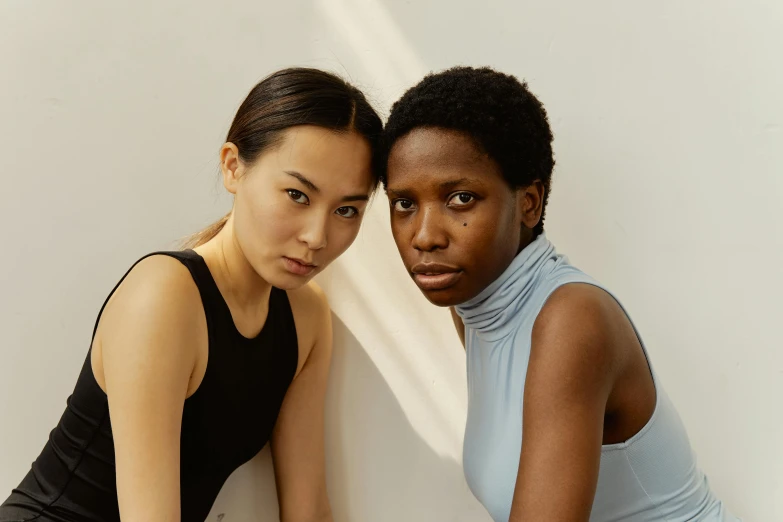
(300, 204)
(457, 223)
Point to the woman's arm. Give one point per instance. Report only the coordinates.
(143, 356)
(298, 437)
(570, 376)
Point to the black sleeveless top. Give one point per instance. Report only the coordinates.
(225, 422)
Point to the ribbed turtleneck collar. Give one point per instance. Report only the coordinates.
(492, 311)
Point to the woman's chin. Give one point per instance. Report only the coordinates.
(443, 298)
(290, 281)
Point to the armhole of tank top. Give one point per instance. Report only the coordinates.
(651, 421)
(179, 256)
(116, 286)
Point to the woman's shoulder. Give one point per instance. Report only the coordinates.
(577, 307)
(309, 300)
(158, 291)
(154, 316)
(313, 318)
(581, 323)
(159, 279)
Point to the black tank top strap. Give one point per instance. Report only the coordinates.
(282, 313)
(194, 263)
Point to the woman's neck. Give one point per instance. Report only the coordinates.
(494, 310)
(237, 280)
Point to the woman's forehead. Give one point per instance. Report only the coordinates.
(434, 155)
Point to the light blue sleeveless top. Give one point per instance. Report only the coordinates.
(653, 476)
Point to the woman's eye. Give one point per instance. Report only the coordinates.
(347, 212)
(461, 199)
(298, 196)
(402, 205)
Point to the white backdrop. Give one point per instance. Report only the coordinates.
(669, 140)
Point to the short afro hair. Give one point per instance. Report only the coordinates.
(504, 119)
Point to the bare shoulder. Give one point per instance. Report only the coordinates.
(309, 299)
(313, 319)
(158, 285)
(577, 308)
(577, 329)
(156, 312)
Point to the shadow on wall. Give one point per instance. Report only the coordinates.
(378, 468)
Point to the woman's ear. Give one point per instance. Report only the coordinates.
(230, 166)
(530, 204)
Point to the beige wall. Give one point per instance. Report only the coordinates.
(668, 121)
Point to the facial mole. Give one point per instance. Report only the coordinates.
(464, 224)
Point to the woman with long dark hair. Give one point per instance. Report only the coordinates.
(200, 357)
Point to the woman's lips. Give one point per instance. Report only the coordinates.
(435, 276)
(298, 267)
